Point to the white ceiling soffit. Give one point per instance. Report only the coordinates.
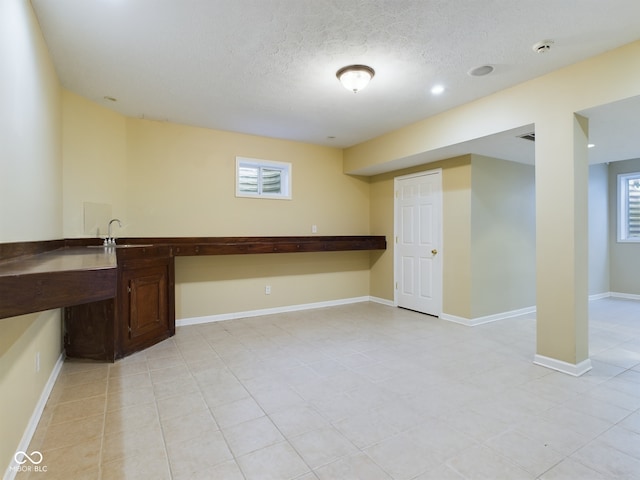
(267, 67)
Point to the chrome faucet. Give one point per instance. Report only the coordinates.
(110, 240)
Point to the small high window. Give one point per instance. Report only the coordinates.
(262, 178)
(629, 207)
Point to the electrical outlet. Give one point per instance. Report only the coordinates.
(267, 290)
(314, 229)
(37, 362)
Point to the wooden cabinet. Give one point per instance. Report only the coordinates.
(142, 313)
(145, 302)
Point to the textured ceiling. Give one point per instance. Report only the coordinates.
(267, 67)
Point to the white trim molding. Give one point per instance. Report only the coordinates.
(268, 311)
(23, 446)
(628, 296)
(575, 370)
(472, 322)
(383, 301)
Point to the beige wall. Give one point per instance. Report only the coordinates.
(456, 225)
(165, 179)
(598, 230)
(181, 181)
(94, 162)
(503, 236)
(550, 103)
(624, 257)
(488, 235)
(30, 207)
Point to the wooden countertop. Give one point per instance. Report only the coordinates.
(37, 276)
(60, 260)
(56, 278)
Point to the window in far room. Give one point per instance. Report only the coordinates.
(629, 207)
(262, 178)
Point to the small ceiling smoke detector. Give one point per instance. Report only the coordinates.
(528, 136)
(480, 71)
(542, 47)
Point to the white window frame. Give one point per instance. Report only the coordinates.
(285, 169)
(623, 207)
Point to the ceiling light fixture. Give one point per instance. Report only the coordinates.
(437, 89)
(355, 77)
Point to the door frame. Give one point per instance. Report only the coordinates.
(396, 219)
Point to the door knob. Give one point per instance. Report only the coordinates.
(434, 252)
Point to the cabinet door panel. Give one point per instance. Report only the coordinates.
(146, 306)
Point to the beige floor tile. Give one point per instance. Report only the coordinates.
(298, 420)
(75, 432)
(131, 442)
(353, 467)
(607, 460)
(198, 455)
(75, 410)
(237, 412)
(482, 463)
(178, 405)
(180, 386)
(534, 456)
(404, 456)
(83, 391)
(72, 461)
(125, 382)
(131, 418)
(124, 368)
(570, 469)
(275, 462)
(251, 435)
(407, 395)
(192, 425)
(228, 470)
(323, 446)
(130, 397)
(147, 465)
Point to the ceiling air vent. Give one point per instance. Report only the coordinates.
(529, 136)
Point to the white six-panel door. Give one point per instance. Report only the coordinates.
(418, 244)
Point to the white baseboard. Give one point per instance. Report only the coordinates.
(268, 311)
(599, 296)
(472, 322)
(23, 446)
(628, 296)
(564, 367)
(382, 301)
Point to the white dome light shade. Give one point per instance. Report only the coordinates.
(355, 77)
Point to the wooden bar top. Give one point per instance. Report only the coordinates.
(37, 276)
(60, 260)
(56, 278)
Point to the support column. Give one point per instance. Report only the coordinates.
(562, 178)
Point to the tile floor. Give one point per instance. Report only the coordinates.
(362, 391)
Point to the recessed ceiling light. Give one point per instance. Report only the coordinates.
(591, 145)
(437, 89)
(480, 71)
